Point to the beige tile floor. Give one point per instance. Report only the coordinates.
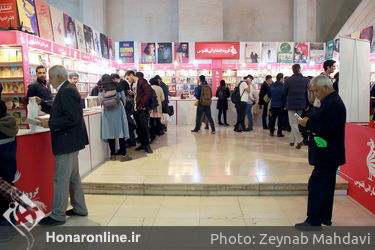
(117, 210)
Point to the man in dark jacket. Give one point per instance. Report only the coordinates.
(326, 153)
(1, 89)
(275, 93)
(68, 137)
(40, 88)
(295, 92)
(263, 91)
(166, 96)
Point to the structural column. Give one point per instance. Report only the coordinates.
(305, 20)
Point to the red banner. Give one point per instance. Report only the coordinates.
(8, 14)
(86, 57)
(38, 43)
(60, 50)
(218, 50)
(75, 53)
(359, 169)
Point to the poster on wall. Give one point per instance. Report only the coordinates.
(104, 45)
(110, 48)
(285, 53)
(57, 18)
(27, 15)
(44, 20)
(89, 38)
(356, 35)
(181, 52)
(80, 36)
(301, 52)
(70, 32)
(336, 50)
(329, 51)
(126, 51)
(317, 53)
(269, 52)
(164, 52)
(373, 41)
(148, 53)
(8, 14)
(252, 52)
(367, 34)
(97, 48)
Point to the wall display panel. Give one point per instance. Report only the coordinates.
(253, 52)
(301, 53)
(148, 53)
(269, 52)
(57, 19)
(126, 51)
(27, 16)
(366, 33)
(8, 14)
(104, 45)
(164, 52)
(317, 53)
(80, 36)
(181, 52)
(70, 32)
(329, 51)
(110, 48)
(97, 46)
(89, 39)
(44, 20)
(285, 52)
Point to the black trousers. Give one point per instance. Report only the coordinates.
(264, 116)
(156, 127)
(112, 146)
(141, 119)
(321, 188)
(207, 110)
(224, 113)
(241, 113)
(276, 113)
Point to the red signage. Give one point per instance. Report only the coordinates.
(359, 169)
(38, 43)
(8, 14)
(218, 50)
(75, 53)
(60, 50)
(217, 76)
(217, 64)
(86, 57)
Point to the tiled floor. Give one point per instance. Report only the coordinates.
(212, 211)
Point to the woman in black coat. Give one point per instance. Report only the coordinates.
(222, 93)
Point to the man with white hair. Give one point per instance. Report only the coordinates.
(326, 153)
(68, 137)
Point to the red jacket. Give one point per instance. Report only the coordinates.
(143, 94)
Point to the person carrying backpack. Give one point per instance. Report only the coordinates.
(222, 93)
(203, 94)
(240, 97)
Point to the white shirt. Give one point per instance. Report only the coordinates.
(243, 92)
(253, 94)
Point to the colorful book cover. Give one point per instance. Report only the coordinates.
(96, 41)
(285, 53)
(367, 34)
(8, 14)
(181, 52)
(329, 51)
(373, 40)
(80, 36)
(110, 48)
(336, 50)
(252, 52)
(301, 52)
(356, 34)
(164, 52)
(57, 19)
(44, 20)
(269, 52)
(89, 39)
(317, 53)
(126, 51)
(104, 45)
(70, 32)
(148, 53)
(27, 15)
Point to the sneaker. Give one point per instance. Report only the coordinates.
(48, 221)
(71, 212)
(125, 158)
(327, 222)
(213, 132)
(148, 150)
(194, 131)
(299, 145)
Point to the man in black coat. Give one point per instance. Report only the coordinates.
(326, 153)
(263, 91)
(68, 137)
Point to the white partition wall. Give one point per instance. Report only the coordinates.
(354, 85)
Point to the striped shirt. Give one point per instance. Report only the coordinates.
(10, 192)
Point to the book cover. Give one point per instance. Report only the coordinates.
(164, 52)
(96, 41)
(317, 53)
(373, 40)
(269, 52)
(356, 34)
(27, 16)
(70, 32)
(80, 36)
(252, 52)
(126, 51)
(89, 39)
(329, 51)
(301, 52)
(181, 52)
(8, 14)
(104, 45)
(367, 34)
(336, 50)
(44, 20)
(285, 52)
(57, 19)
(110, 48)
(148, 53)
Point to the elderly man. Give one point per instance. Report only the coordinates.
(326, 153)
(68, 136)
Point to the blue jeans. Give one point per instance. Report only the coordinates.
(249, 115)
(207, 110)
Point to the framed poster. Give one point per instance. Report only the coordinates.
(57, 19)
(336, 50)
(44, 20)
(373, 41)
(148, 53)
(164, 52)
(27, 16)
(367, 34)
(104, 45)
(8, 14)
(89, 38)
(285, 53)
(80, 36)
(253, 52)
(126, 52)
(70, 32)
(329, 52)
(110, 48)
(301, 52)
(269, 52)
(317, 53)
(181, 52)
(96, 41)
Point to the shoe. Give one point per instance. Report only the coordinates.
(213, 132)
(299, 145)
(152, 139)
(206, 127)
(291, 144)
(237, 130)
(226, 124)
(327, 222)
(280, 135)
(72, 213)
(271, 133)
(194, 131)
(113, 157)
(265, 127)
(148, 150)
(125, 158)
(220, 123)
(48, 221)
(140, 148)
(305, 226)
(246, 130)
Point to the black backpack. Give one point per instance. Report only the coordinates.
(153, 103)
(222, 95)
(236, 96)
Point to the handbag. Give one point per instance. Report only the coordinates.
(196, 102)
(170, 111)
(164, 106)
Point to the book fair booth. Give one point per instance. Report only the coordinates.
(49, 37)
